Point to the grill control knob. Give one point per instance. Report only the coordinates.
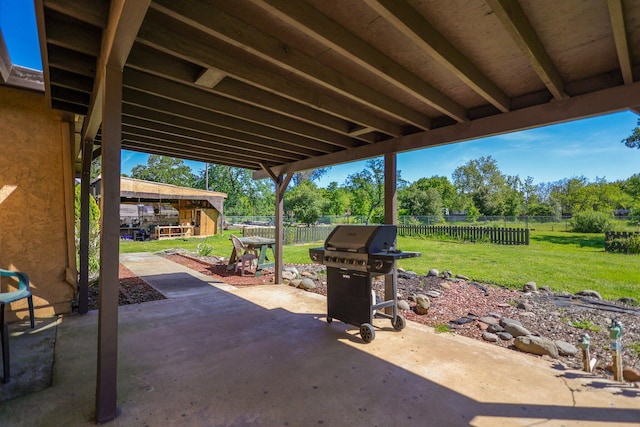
(378, 264)
(360, 262)
(327, 258)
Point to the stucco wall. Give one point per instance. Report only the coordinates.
(33, 218)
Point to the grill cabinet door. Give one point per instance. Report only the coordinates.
(349, 296)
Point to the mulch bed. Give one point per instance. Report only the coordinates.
(133, 290)
(219, 271)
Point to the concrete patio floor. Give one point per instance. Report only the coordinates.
(215, 355)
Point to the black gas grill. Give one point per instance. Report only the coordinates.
(354, 254)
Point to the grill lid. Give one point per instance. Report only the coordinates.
(362, 238)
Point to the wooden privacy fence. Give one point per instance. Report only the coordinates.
(292, 235)
(617, 241)
(501, 236)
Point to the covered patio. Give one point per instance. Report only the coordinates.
(280, 87)
(212, 354)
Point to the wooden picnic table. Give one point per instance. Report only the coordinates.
(260, 245)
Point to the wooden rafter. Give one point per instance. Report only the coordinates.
(519, 28)
(422, 33)
(303, 17)
(616, 15)
(247, 38)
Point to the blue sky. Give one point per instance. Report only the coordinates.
(589, 147)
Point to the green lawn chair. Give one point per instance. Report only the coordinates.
(8, 297)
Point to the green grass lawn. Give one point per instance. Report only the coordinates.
(561, 260)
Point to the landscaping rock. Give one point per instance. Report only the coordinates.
(628, 301)
(433, 273)
(489, 320)
(565, 348)
(422, 304)
(495, 328)
(446, 274)
(289, 275)
(295, 282)
(307, 284)
(403, 305)
(488, 336)
(523, 305)
(589, 293)
(462, 277)
(433, 294)
(545, 288)
(309, 275)
(505, 336)
(445, 285)
(536, 345)
(530, 287)
(505, 320)
(516, 330)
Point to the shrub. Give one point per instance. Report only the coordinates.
(204, 249)
(591, 222)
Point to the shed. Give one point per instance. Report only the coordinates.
(166, 210)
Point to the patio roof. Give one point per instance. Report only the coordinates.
(298, 85)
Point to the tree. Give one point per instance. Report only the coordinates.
(167, 170)
(482, 182)
(245, 196)
(305, 201)
(336, 199)
(309, 175)
(421, 198)
(633, 140)
(367, 188)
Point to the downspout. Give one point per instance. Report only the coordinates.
(71, 273)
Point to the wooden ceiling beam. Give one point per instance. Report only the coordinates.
(158, 118)
(173, 44)
(207, 100)
(185, 154)
(615, 99)
(200, 146)
(123, 24)
(410, 23)
(92, 12)
(233, 145)
(65, 59)
(167, 67)
(303, 17)
(205, 18)
(618, 26)
(156, 103)
(517, 24)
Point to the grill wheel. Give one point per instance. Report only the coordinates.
(367, 332)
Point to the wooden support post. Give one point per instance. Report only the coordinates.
(106, 383)
(85, 181)
(281, 182)
(390, 215)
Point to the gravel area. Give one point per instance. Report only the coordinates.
(457, 309)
